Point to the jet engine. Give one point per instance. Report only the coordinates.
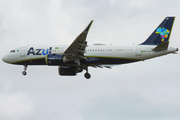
(56, 59)
(67, 70)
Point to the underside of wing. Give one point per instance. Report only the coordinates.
(102, 66)
(75, 52)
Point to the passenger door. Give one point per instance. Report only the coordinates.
(23, 52)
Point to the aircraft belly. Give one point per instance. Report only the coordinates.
(31, 60)
(106, 60)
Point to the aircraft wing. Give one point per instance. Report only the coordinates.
(102, 66)
(76, 50)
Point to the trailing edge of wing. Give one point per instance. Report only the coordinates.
(101, 66)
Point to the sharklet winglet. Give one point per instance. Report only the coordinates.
(88, 27)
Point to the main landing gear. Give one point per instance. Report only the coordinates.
(87, 75)
(25, 68)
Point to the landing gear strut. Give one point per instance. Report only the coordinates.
(25, 68)
(87, 75)
(79, 69)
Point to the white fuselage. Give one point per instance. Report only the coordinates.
(132, 52)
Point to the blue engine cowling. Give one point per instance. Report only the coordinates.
(67, 70)
(56, 59)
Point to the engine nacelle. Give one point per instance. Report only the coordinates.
(56, 59)
(67, 70)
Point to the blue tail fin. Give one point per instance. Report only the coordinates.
(161, 33)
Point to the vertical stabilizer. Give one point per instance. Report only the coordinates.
(161, 33)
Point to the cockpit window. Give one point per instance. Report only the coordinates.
(12, 51)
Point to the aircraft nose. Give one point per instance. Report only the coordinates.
(5, 59)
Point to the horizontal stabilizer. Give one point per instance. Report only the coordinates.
(162, 46)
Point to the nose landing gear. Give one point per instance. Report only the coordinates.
(25, 68)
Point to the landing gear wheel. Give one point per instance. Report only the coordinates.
(87, 75)
(25, 68)
(24, 73)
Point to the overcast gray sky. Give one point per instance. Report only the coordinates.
(148, 90)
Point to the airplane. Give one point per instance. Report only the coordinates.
(79, 56)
